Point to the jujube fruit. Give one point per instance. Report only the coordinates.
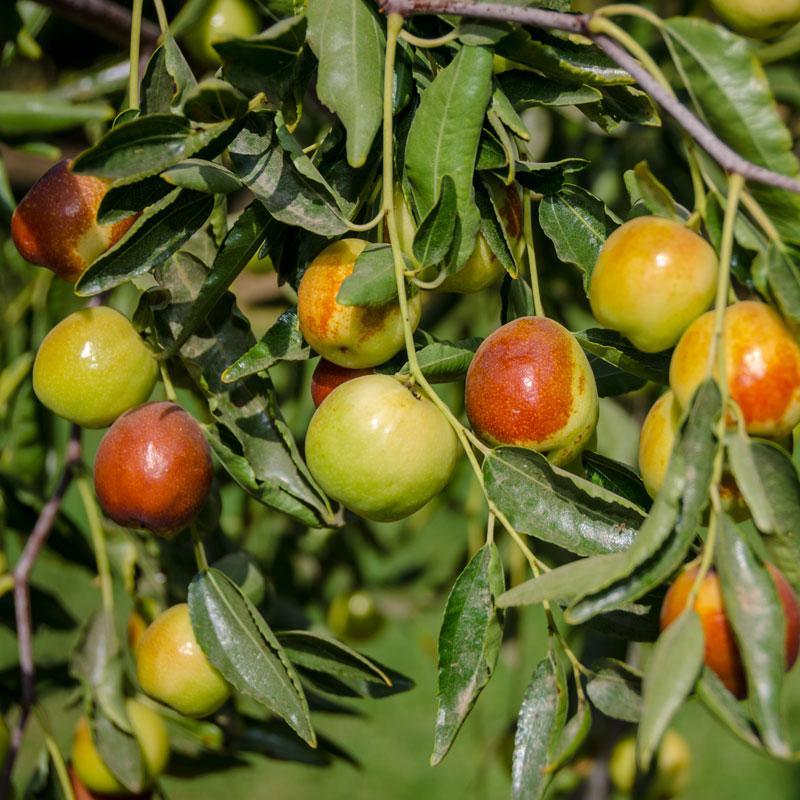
(350, 336)
(762, 365)
(673, 767)
(653, 277)
(82, 793)
(327, 376)
(153, 469)
(530, 385)
(222, 20)
(659, 431)
(721, 649)
(151, 734)
(55, 224)
(92, 367)
(379, 448)
(173, 669)
(761, 19)
(354, 615)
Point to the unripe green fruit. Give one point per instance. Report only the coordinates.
(173, 669)
(223, 19)
(673, 767)
(762, 19)
(354, 615)
(151, 734)
(92, 367)
(379, 449)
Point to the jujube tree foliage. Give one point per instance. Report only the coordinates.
(406, 167)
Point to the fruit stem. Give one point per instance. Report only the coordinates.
(199, 550)
(419, 42)
(490, 529)
(99, 545)
(762, 220)
(169, 389)
(777, 51)
(163, 22)
(136, 33)
(527, 224)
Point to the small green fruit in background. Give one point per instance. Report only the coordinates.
(92, 367)
(354, 615)
(223, 19)
(761, 19)
(673, 767)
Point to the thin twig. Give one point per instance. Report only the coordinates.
(22, 602)
(725, 156)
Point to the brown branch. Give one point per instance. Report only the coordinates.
(22, 603)
(724, 155)
(106, 18)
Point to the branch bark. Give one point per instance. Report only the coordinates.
(724, 155)
(22, 603)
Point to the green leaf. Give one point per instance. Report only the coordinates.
(269, 173)
(622, 104)
(283, 341)
(372, 281)
(643, 186)
(783, 276)
(243, 570)
(616, 477)
(729, 87)
(615, 349)
(500, 208)
(349, 41)
(202, 176)
(572, 736)
(214, 100)
(434, 237)
(578, 224)
(24, 113)
(442, 362)
(153, 238)
(536, 729)
(670, 674)
(444, 135)
(553, 505)
(548, 177)
(726, 708)
(120, 752)
(240, 644)
(130, 196)
(755, 612)
(239, 246)
(526, 89)
(166, 80)
(249, 435)
(517, 299)
(469, 643)
(146, 145)
(615, 695)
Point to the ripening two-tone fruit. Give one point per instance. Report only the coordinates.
(530, 385)
(483, 268)
(153, 469)
(659, 431)
(55, 225)
(721, 650)
(652, 279)
(380, 449)
(762, 19)
(355, 337)
(151, 734)
(222, 20)
(762, 365)
(328, 376)
(92, 367)
(173, 669)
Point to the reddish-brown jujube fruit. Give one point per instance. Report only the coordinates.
(55, 225)
(530, 385)
(721, 649)
(153, 469)
(327, 376)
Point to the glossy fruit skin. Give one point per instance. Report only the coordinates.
(379, 449)
(327, 376)
(721, 648)
(482, 269)
(530, 385)
(153, 469)
(673, 767)
(223, 19)
(92, 367)
(149, 730)
(653, 278)
(762, 363)
(355, 337)
(759, 19)
(354, 615)
(173, 669)
(55, 224)
(659, 431)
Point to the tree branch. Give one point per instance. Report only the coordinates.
(22, 603)
(724, 155)
(106, 18)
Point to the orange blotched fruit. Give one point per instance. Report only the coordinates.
(530, 385)
(652, 279)
(55, 225)
(762, 363)
(721, 649)
(355, 337)
(153, 469)
(327, 376)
